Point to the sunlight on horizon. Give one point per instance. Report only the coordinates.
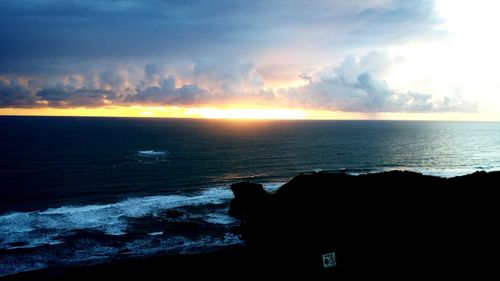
(236, 113)
(247, 113)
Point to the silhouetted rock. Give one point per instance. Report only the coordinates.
(394, 225)
(387, 223)
(247, 197)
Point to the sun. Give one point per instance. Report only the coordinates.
(248, 113)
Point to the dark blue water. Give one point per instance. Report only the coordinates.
(67, 183)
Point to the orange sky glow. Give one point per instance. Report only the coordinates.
(239, 112)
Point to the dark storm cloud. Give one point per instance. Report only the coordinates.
(168, 94)
(51, 34)
(15, 93)
(67, 97)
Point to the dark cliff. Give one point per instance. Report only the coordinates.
(389, 224)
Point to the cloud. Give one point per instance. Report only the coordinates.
(228, 77)
(168, 94)
(67, 97)
(94, 52)
(355, 85)
(52, 35)
(15, 93)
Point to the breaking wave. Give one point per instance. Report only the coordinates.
(131, 227)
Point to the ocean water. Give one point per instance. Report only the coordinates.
(88, 190)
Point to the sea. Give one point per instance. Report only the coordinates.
(87, 190)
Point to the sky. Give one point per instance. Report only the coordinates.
(278, 59)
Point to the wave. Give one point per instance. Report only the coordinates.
(151, 153)
(25, 229)
(94, 251)
(150, 156)
(132, 227)
(32, 229)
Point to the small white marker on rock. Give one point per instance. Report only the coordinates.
(329, 260)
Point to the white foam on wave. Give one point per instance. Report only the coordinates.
(178, 244)
(89, 251)
(208, 242)
(272, 187)
(220, 219)
(37, 228)
(153, 153)
(31, 229)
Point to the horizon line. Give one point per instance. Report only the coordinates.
(244, 119)
(244, 112)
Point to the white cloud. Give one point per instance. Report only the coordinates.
(355, 85)
(358, 85)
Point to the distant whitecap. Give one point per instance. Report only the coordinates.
(151, 153)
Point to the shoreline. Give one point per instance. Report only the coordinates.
(386, 224)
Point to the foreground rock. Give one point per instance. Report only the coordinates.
(397, 224)
(247, 197)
